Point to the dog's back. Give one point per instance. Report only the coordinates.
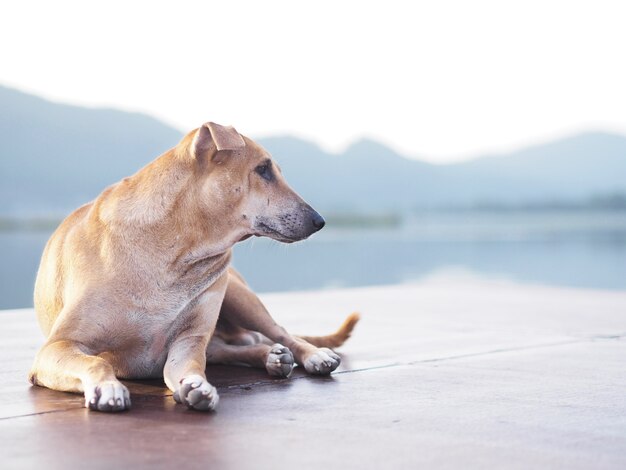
(51, 280)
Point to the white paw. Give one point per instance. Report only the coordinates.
(322, 362)
(279, 361)
(197, 393)
(109, 395)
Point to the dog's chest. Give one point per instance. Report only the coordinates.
(162, 322)
(161, 305)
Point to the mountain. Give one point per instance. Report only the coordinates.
(573, 168)
(371, 177)
(366, 177)
(54, 157)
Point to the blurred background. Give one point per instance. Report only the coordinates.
(439, 139)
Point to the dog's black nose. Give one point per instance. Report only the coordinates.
(318, 221)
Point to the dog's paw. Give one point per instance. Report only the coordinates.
(279, 361)
(109, 395)
(197, 394)
(322, 362)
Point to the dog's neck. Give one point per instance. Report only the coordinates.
(162, 199)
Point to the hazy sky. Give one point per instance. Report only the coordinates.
(440, 80)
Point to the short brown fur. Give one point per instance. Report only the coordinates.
(132, 284)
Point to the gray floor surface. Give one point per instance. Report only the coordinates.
(442, 374)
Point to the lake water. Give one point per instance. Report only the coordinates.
(578, 249)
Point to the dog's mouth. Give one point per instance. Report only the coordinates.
(267, 230)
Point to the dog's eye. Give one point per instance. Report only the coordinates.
(265, 171)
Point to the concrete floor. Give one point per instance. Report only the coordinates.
(442, 374)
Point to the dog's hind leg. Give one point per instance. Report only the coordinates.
(66, 366)
(276, 359)
(242, 307)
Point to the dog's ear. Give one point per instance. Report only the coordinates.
(216, 141)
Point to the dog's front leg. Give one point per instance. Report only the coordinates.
(184, 373)
(65, 365)
(184, 370)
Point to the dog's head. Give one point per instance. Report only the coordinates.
(240, 176)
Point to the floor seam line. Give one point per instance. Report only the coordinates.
(38, 413)
(421, 361)
(502, 350)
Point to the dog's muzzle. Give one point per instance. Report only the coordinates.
(291, 227)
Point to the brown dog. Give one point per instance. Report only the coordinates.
(131, 285)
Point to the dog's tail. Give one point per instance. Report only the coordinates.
(338, 337)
